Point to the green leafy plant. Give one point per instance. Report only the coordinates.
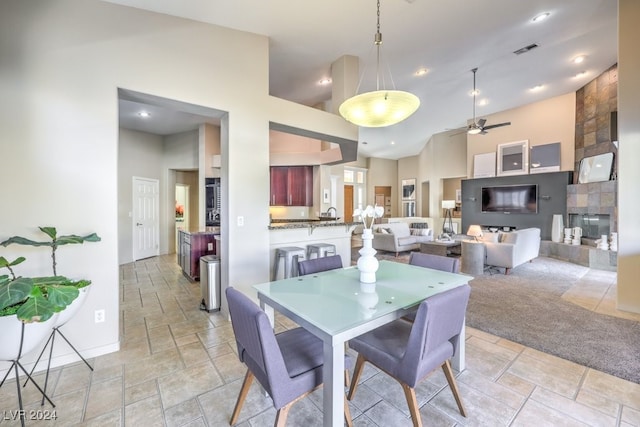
(37, 299)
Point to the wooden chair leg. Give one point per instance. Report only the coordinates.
(448, 372)
(281, 416)
(347, 380)
(244, 390)
(347, 413)
(412, 402)
(357, 371)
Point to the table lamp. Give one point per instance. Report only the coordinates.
(448, 205)
(474, 231)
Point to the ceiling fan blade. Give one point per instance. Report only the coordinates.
(497, 125)
(481, 122)
(483, 132)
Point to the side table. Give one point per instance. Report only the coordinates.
(473, 256)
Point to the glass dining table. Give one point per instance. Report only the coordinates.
(335, 306)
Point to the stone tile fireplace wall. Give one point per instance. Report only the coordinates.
(595, 125)
(595, 198)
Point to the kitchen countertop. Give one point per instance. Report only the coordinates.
(200, 230)
(284, 224)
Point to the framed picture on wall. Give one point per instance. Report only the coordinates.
(409, 189)
(513, 158)
(484, 165)
(545, 158)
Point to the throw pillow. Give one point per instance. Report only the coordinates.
(510, 238)
(490, 237)
(383, 230)
(416, 232)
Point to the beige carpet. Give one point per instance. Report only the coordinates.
(526, 306)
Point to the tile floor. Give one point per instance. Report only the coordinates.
(177, 367)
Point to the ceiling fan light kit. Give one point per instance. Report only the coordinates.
(381, 107)
(478, 127)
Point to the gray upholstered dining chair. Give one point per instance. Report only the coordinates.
(287, 365)
(437, 262)
(317, 265)
(409, 352)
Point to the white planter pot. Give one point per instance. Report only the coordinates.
(34, 334)
(67, 314)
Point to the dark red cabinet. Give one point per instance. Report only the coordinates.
(194, 246)
(291, 186)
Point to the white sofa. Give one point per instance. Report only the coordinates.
(509, 250)
(398, 237)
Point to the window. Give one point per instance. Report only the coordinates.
(358, 178)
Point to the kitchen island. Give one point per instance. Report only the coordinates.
(302, 233)
(193, 244)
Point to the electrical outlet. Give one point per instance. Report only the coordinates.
(209, 246)
(99, 316)
(240, 221)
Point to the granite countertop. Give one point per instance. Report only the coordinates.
(201, 230)
(285, 224)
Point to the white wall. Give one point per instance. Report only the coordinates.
(62, 62)
(132, 147)
(628, 155)
(543, 122)
(444, 156)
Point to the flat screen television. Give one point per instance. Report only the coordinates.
(510, 199)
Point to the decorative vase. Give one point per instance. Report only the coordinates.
(557, 226)
(367, 263)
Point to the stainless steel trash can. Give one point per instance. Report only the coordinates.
(210, 282)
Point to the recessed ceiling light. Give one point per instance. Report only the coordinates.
(540, 17)
(393, 143)
(324, 81)
(537, 88)
(580, 74)
(579, 59)
(422, 72)
(483, 102)
(144, 114)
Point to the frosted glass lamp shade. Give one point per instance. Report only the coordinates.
(379, 108)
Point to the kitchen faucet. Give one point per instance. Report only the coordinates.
(335, 212)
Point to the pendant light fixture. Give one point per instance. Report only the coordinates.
(381, 107)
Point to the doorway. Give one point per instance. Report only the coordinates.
(182, 209)
(146, 214)
(425, 199)
(383, 198)
(348, 203)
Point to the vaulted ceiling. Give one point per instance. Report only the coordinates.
(448, 38)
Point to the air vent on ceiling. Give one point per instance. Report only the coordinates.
(526, 49)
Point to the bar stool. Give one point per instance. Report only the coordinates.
(321, 250)
(291, 255)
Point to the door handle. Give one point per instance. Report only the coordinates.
(138, 224)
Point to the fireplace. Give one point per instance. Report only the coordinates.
(593, 225)
(592, 207)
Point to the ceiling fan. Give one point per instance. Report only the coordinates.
(478, 126)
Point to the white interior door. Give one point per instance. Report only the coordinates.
(146, 222)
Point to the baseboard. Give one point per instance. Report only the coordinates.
(65, 359)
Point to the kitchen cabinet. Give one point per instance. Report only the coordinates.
(291, 186)
(192, 247)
